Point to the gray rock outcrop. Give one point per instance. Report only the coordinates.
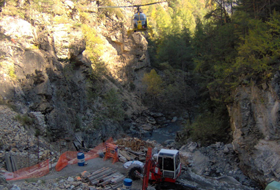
(47, 78)
(47, 73)
(217, 162)
(255, 124)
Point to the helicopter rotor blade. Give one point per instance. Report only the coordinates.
(104, 7)
(149, 4)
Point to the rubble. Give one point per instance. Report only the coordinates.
(19, 148)
(217, 161)
(111, 177)
(132, 148)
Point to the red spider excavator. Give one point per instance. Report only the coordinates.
(166, 168)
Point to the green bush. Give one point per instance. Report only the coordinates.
(209, 128)
(12, 73)
(84, 17)
(37, 133)
(24, 119)
(132, 86)
(114, 105)
(63, 19)
(45, 5)
(154, 83)
(94, 47)
(1, 144)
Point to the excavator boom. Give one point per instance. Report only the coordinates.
(147, 169)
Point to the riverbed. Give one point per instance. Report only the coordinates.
(165, 133)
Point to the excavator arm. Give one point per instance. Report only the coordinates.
(147, 169)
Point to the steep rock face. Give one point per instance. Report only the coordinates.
(45, 70)
(255, 123)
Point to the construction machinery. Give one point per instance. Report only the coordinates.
(165, 166)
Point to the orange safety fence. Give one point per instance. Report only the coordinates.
(111, 152)
(70, 157)
(41, 169)
(35, 171)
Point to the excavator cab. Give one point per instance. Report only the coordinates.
(164, 166)
(169, 164)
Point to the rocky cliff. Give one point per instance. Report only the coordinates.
(56, 88)
(255, 123)
(48, 76)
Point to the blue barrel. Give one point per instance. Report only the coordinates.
(127, 183)
(81, 159)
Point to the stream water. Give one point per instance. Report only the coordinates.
(165, 133)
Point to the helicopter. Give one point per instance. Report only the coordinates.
(139, 20)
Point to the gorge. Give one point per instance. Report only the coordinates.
(70, 70)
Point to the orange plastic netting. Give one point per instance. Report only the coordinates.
(70, 157)
(41, 169)
(37, 170)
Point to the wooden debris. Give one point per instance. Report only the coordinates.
(79, 143)
(105, 178)
(95, 179)
(136, 153)
(133, 143)
(118, 179)
(119, 185)
(98, 171)
(124, 154)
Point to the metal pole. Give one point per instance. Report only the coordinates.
(38, 149)
(50, 159)
(28, 151)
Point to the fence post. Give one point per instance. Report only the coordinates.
(38, 150)
(28, 151)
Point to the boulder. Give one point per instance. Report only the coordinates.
(19, 30)
(147, 127)
(77, 48)
(185, 158)
(151, 120)
(200, 162)
(174, 119)
(161, 120)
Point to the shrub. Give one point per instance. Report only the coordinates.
(24, 119)
(114, 105)
(94, 43)
(94, 47)
(154, 84)
(44, 5)
(37, 133)
(61, 19)
(12, 73)
(132, 86)
(209, 128)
